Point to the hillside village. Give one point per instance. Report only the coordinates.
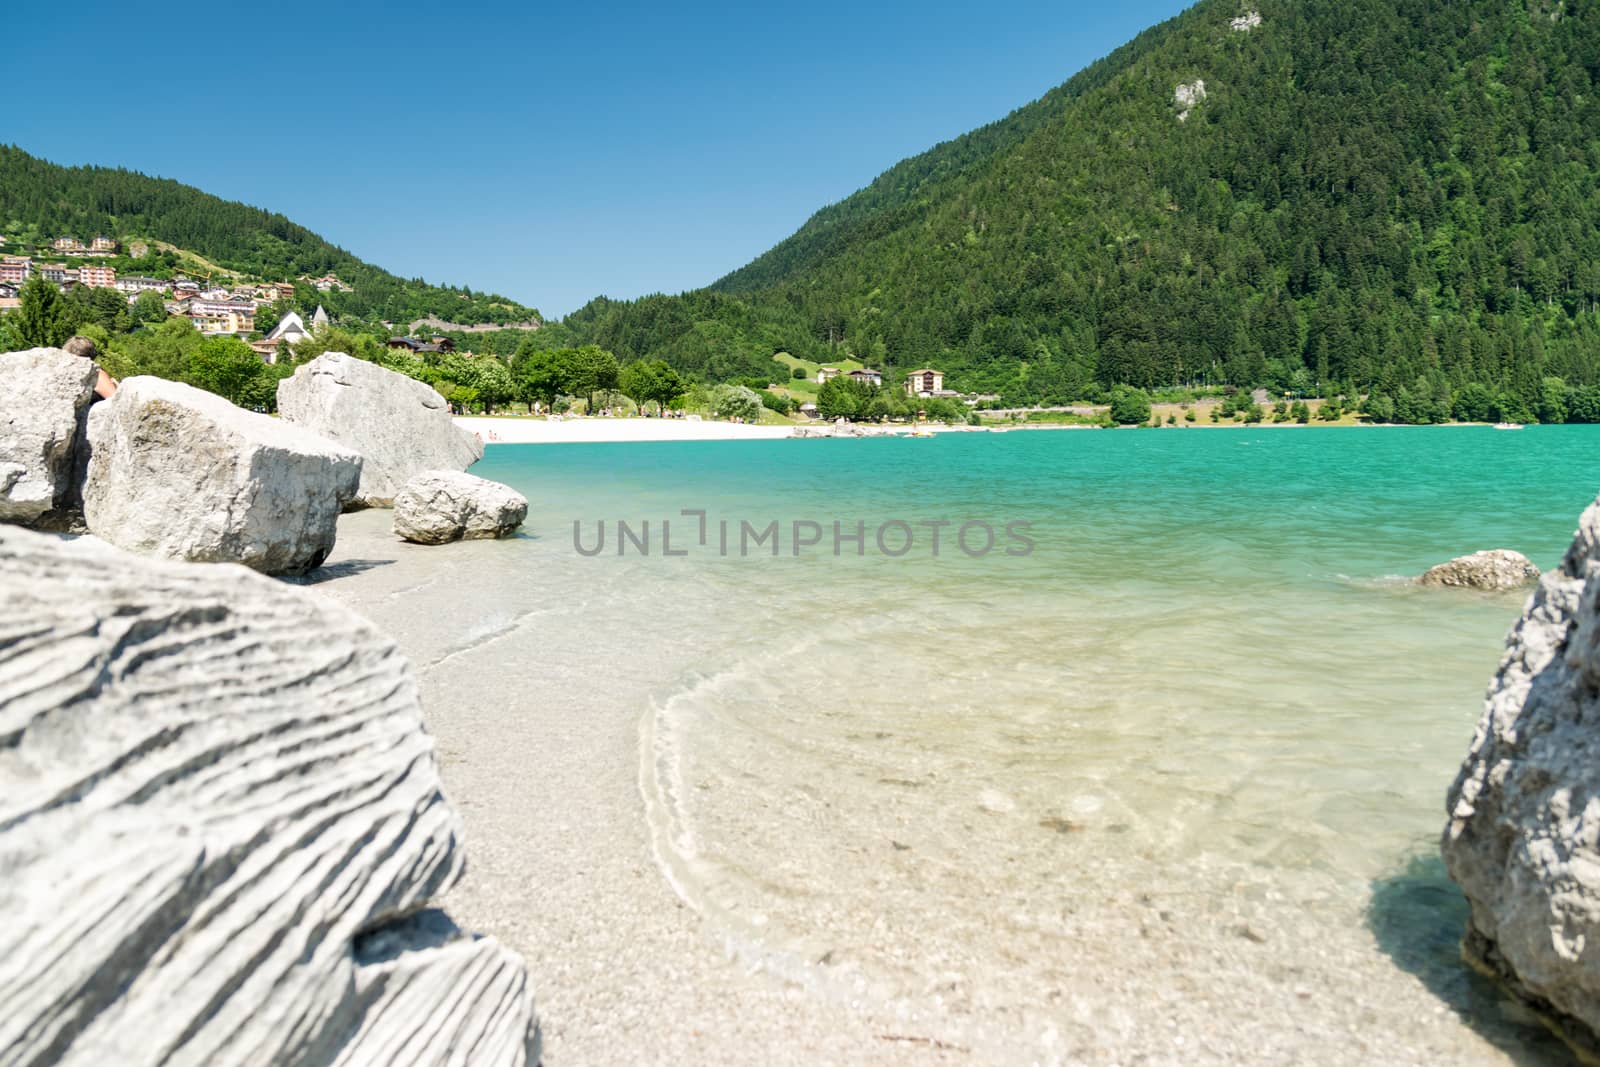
(260, 313)
(254, 311)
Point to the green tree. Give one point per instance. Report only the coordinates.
(541, 375)
(337, 339)
(10, 336)
(268, 315)
(1474, 402)
(149, 307)
(738, 402)
(652, 381)
(1129, 406)
(163, 351)
(840, 398)
(42, 319)
(591, 369)
(1584, 404)
(225, 366)
(102, 307)
(1553, 393)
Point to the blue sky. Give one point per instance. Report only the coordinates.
(550, 152)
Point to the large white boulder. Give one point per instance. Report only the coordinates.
(178, 472)
(437, 507)
(44, 398)
(221, 830)
(1523, 837)
(400, 425)
(1494, 569)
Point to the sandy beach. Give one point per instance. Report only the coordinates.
(570, 431)
(543, 763)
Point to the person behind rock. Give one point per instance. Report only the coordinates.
(105, 385)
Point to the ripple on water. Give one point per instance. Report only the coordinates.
(1160, 782)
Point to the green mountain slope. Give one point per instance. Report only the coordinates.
(47, 200)
(1395, 195)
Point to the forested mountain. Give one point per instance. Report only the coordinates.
(1384, 195)
(49, 200)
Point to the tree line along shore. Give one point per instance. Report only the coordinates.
(546, 374)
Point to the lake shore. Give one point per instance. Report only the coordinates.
(1246, 900)
(578, 430)
(541, 431)
(541, 759)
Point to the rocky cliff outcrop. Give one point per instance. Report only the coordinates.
(437, 507)
(1495, 569)
(221, 829)
(1187, 96)
(401, 426)
(178, 472)
(43, 404)
(1523, 837)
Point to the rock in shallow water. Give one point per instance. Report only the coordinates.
(220, 829)
(400, 425)
(178, 472)
(437, 507)
(1523, 837)
(43, 402)
(1495, 569)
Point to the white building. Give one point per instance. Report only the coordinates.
(925, 382)
(290, 328)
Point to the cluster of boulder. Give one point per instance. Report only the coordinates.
(839, 428)
(166, 469)
(221, 826)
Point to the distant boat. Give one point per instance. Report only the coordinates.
(1508, 425)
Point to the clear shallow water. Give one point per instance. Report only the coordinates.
(1200, 735)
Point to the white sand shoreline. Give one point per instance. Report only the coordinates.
(542, 431)
(535, 430)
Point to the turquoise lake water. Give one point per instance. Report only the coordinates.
(1202, 731)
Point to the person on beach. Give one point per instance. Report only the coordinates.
(105, 385)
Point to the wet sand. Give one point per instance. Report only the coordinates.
(542, 761)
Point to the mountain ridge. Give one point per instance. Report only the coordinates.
(49, 199)
(1370, 197)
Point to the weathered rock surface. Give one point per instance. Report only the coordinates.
(42, 408)
(1494, 569)
(220, 830)
(1523, 837)
(179, 472)
(401, 426)
(1187, 96)
(437, 507)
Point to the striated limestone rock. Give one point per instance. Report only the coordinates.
(1523, 837)
(179, 472)
(401, 426)
(43, 404)
(220, 830)
(437, 507)
(1495, 569)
